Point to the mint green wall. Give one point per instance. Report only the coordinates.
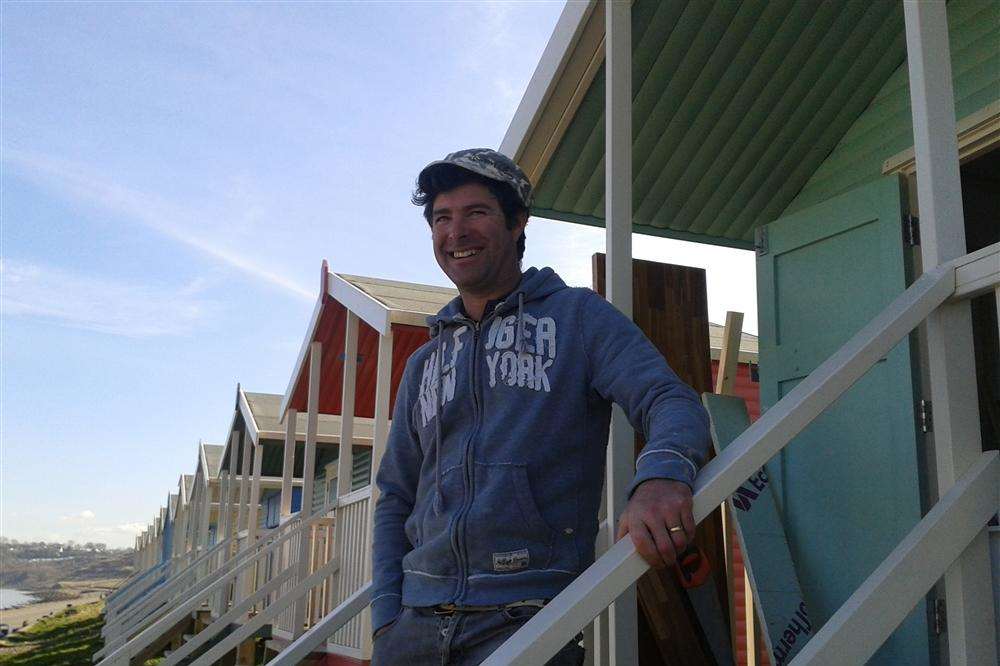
(885, 127)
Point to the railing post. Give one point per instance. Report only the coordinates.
(957, 442)
(618, 220)
(252, 511)
(206, 516)
(288, 462)
(380, 436)
(241, 511)
(308, 465)
(345, 459)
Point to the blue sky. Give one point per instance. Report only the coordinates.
(172, 176)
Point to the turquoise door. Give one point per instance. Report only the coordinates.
(847, 486)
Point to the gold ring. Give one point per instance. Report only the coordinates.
(676, 528)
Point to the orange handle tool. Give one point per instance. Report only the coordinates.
(692, 567)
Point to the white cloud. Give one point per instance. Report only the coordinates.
(83, 516)
(84, 185)
(127, 529)
(81, 301)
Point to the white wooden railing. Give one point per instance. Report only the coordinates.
(174, 586)
(892, 590)
(215, 586)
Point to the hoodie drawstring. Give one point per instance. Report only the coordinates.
(438, 394)
(439, 372)
(519, 342)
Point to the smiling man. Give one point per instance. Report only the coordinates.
(491, 480)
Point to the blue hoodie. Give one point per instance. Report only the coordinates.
(491, 480)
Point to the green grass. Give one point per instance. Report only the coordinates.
(69, 637)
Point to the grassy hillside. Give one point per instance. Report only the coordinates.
(70, 637)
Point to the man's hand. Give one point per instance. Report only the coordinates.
(657, 506)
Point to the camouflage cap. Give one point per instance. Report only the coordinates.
(485, 162)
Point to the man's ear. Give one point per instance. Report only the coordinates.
(521, 221)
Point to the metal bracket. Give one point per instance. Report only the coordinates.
(911, 231)
(926, 416)
(760, 241)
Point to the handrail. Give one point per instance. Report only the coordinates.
(226, 619)
(210, 576)
(150, 633)
(129, 616)
(268, 614)
(597, 587)
(296, 651)
(159, 602)
(133, 593)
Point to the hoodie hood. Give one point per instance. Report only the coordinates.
(535, 284)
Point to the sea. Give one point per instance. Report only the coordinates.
(14, 598)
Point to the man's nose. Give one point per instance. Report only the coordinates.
(459, 227)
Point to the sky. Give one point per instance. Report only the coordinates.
(172, 176)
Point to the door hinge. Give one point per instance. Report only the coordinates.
(760, 241)
(911, 231)
(940, 617)
(926, 416)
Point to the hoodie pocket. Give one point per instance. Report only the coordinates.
(505, 532)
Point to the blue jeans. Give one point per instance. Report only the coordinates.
(421, 637)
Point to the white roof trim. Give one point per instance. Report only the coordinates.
(248, 415)
(202, 461)
(550, 66)
(371, 310)
(303, 357)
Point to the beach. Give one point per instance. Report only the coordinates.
(84, 592)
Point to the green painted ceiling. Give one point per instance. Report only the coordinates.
(736, 104)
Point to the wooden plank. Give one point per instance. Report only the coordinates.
(766, 555)
(725, 383)
(729, 354)
(670, 306)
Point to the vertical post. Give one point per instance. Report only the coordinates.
(222, 520)
(226, 530)
(345, 459)
(254, 505)
(618, 220)
(308, 472)
(957, 441)
(252, 510)
(241, 515)
(206, 512)
(380, 437)
(288, 462)
(725, 383)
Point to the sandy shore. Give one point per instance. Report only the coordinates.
(88, 591)
(15, 617)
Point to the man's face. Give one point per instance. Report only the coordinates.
(472, 243)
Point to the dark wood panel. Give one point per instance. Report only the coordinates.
(670, 305)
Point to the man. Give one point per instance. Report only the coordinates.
(491, 480)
